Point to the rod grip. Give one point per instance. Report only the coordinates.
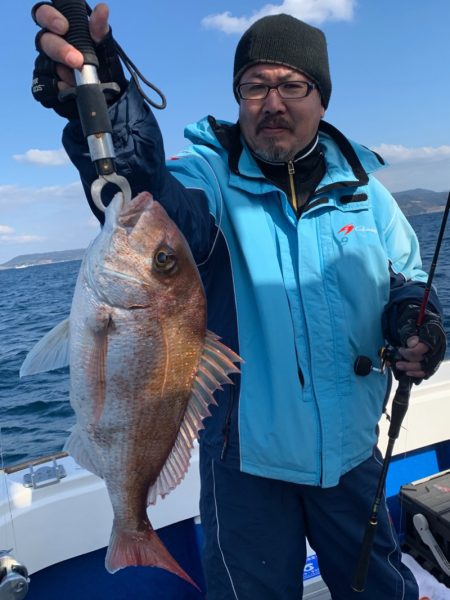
(362, 568)
(78, 35)
(399, 406)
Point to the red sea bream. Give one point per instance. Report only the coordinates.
(143, 368)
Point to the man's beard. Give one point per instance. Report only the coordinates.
(273, 152)
(270, 149)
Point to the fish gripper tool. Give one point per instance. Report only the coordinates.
(91, 102)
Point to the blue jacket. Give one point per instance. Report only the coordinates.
(299, 300)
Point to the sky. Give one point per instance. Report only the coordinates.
(390, 69)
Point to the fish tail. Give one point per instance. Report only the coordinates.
(141, 548)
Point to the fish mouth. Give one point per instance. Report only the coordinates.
(132, 211)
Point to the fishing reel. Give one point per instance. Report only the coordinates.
(388, 358)
(14, 578)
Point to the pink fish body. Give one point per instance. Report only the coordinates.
(143, 369)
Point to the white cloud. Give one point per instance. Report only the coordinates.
(42, 219)
(311, 11)
(21, 239)
(396, 153)
(409, 168)
(8, 235)
(47, 158)
(12, 196)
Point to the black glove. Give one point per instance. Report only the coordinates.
(45, 78)
(431, 333)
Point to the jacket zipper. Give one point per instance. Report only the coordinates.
(291, 171)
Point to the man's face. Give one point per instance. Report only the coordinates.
(277, 129)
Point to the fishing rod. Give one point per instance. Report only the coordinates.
(91, 102)
(398, 411)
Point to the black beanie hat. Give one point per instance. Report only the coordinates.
(285, 40)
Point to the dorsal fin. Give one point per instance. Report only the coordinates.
(216, 362)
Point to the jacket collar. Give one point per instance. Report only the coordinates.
(344, 159)
(302, 156)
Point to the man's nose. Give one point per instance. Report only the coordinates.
(273, 102)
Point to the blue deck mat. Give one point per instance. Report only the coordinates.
(85, 577)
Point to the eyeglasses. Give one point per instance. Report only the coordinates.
(289, 90)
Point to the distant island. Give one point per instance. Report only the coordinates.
(43, 258)
(412, 202)
(419, 201)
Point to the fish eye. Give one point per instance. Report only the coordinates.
(164, 259)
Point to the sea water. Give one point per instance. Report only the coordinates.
(35, 414)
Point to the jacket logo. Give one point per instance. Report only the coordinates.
(347, 229)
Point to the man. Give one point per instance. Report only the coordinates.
(307, 263)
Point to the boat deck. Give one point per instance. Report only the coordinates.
(59, 531)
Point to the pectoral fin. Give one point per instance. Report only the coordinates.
(51, 352)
